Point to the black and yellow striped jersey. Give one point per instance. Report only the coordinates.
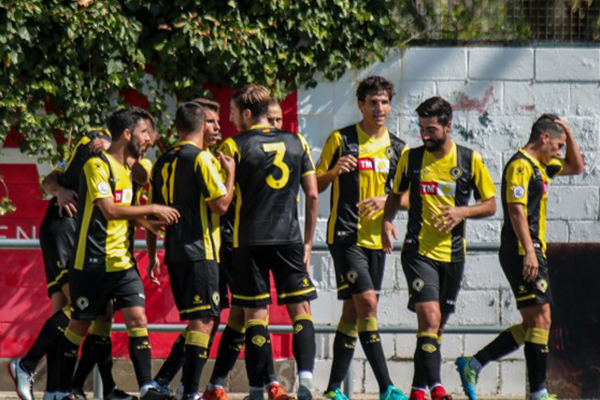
(187, 177)
(270, 164)
(525, 181)
(227, 220)
(434, 183)
(377, 163)
(102, 244)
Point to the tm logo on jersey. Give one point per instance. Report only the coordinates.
(438, 188)
(374, 164)
(123, 196)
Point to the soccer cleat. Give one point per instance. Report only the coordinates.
(546, 396)
(165, 389)
(468, 377)
(179, 391)
(276, 392)
(215, 394)
(118, 394)
(304, 393)
(78, 394)
(192, 396)
(23, 380)
(393, 393)
(439, 393)
(336, 394)
(49, 396)
(416, 394)
(151, 391)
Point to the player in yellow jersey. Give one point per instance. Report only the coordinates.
(360, 160)
(523, 251)
(440, 177)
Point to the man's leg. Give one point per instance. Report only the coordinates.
(258, 349)
(428, 354)
(196, 354)
(537, 320)
(173, 363)
(230, 347)
(343, 348)
(68, 349)
(304, 346)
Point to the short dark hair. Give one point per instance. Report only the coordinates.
(372, 85)
(546, 123)
(255, 98)
(127, 118)
(210, 104)
(189, 117)
(436, 107)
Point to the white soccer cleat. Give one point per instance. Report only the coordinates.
(23, 380)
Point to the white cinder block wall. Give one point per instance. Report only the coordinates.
(497, 93)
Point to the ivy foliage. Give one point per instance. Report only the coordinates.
(64, 63)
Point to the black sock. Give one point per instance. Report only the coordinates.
(536, 357)
(174, 361)
(343, 351)
(371, 343)
(140, 353)
(68, 349)
(304, 344)
(196, 354)
(270, 375)
(52, 370)
(103, 350)
(504, 344)
(230, 347)
(420, 374)
(50, 335)
(258, 343)
(430, 357)
(86, 362)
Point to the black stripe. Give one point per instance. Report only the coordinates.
(415, 212)
(464, 185)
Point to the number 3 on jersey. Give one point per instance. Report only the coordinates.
(279, 149)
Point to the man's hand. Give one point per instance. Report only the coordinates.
(166, 215)
(307, 255)
(154, 269)
(448, 219)
(388, 232)
(67, 202)
(345, 164)
(227, 163)
(369, 208)
(564, 125)
(530, 266)
(97, 145)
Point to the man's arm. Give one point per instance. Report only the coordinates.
(388, 230)
(574, 164)
(67, 199)
(166, 215)
(220, 205)
(311, 211)
(344, 165)
(518, 219)
(153, 260)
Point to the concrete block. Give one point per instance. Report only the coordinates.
(406, 344)
(327, 309)
(473, 97)
(390, 281)
(496, 133)
(565, 64)
(535, 99)
(434, 63)
(513, 379)
(345, 108)
(557, 231)
(389, 68)
(483, 271)
(586, 131)
(452, 346)
(583, 231)
(317, 100)
(390, 308)
(487, 384)
(388, 342)
(321, 374)
(411, 94)
(477, 307)
(501, 63)
(483, 230)
(450, 378)
(573, 203)
(591, 174)
(409, 130)
(509, 314)
(316, 130)
(493, 162)
(401, 373)
(584, 98)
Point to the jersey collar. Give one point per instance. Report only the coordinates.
(186, 142)
(532, 158)
(260, 127)
(368, 137)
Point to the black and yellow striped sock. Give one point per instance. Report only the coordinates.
(371, 343)
(68, 350)
(505, 343)
(258, 351)
(536, 357)
(304, 344)
(429, 357)
(196, 354)
(140, 353)
(230, 347)
(343, 351)
(174, 361)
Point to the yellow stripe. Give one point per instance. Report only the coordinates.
(298, 293)
(73, 337)
(83, 233)
(537, 336)
(101, 328)
(259, 297)
(137, 332)
(67, 310)
(199, 339)
(427, 334)
(531, 296)
(308, 173)
(208, 246)
(236, 223)
(172, 182)
(518, 333)
(62, 273)
(235, 326)
(199, 308)
(302, 317)
(348, 328)
(368, 324)
(334, 206)
(256, 322)
(346, 286)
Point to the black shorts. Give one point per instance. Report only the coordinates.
(91, 291)
(251, 265)
(195, 286)
(225, 271)
(526, 293)
(432, 280)
(357, 269)
(57, 240)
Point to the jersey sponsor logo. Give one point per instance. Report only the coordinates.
(438, 188)
(123, 196)
(518, 192)
(103, 188)
(374, 164)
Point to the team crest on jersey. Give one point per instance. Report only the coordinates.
(102, 188)
(390, 152)
(82, 303)
(456, 173)
(542, 285)
(518, 192)
(352, 276)
(418, 284)
(216, 297)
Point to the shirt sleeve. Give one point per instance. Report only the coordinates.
(308, 167)
(97, 178)
(230, 148)
(517, 176)
(208, 174)
(555, 167)
(482, 180)
(399, 149)
(330, 153)
(401, 181)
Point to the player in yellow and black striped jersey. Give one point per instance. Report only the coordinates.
(440, 178)
(360, 162)
(103, 267)
(271, 164)
(525, 183)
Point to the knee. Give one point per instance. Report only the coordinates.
(137, 320)
(297, 309)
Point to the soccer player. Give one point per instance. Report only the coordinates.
(103, 267)
(275, 114)
(271, 166)
(440, 177)
(361, 161)
(523, 251)
(187, 177)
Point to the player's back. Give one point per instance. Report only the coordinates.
(270, 167)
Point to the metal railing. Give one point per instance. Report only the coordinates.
(28, 244)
